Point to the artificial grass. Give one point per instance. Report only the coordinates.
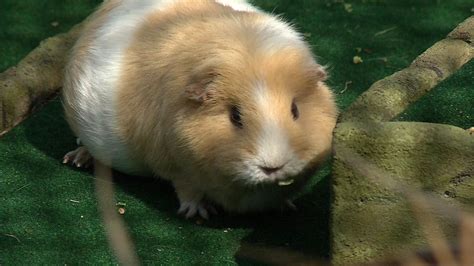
(48, 211)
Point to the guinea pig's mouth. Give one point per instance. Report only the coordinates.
(254, 175)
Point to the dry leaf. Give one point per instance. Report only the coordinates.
(357, 60)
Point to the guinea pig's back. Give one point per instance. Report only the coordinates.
(96, 69)
(92, 75)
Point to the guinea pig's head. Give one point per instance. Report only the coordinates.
(258, 117)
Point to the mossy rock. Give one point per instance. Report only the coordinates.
(376, 165)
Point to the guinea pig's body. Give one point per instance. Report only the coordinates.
(221, 99)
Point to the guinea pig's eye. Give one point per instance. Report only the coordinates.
(236, 116)
(294, 111)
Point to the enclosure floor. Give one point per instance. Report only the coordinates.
(48, 211)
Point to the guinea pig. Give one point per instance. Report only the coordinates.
(223, 100)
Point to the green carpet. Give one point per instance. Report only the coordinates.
(48, 211)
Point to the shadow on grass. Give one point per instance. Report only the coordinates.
(304, 232)
(301, 234)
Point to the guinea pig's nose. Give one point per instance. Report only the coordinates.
(270, 170)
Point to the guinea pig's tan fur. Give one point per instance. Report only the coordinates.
(78, 55)
(187, 66)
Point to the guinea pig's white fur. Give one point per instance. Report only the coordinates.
(216, 96)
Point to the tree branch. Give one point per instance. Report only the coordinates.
(389, 97)
(25, 87)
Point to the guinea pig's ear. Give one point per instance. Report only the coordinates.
(200, 87)
(319, 73)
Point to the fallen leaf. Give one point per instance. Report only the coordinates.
(348, 8)
(357, 60)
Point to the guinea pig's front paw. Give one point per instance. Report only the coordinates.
(191, 208)
(78, 157)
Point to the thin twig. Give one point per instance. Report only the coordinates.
(13, 236)
(431, 229)
(467, 240)
(346, 86)
(384, 31)
(413, 260)
(20, 188)
(117, 234)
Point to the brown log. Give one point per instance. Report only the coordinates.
(37, 78)
(389, 97)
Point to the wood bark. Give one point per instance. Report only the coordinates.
(389, 97)
(38, 77)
